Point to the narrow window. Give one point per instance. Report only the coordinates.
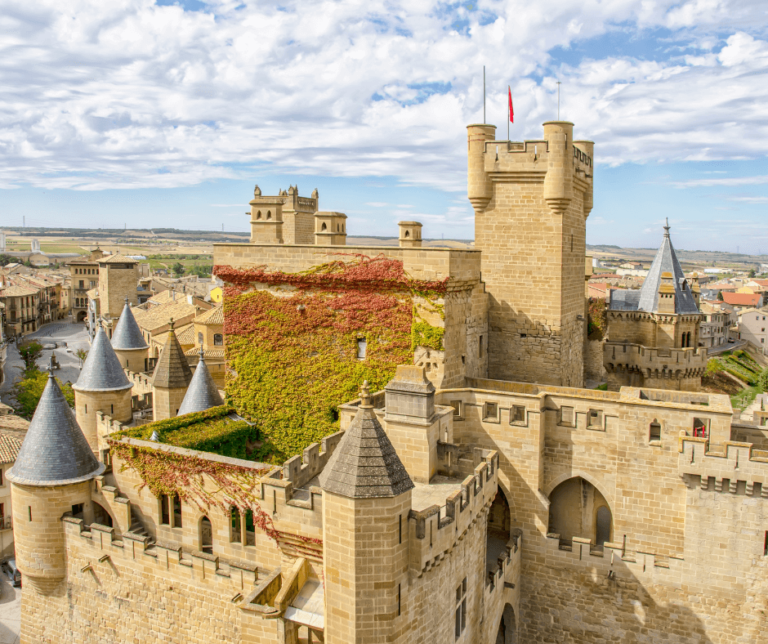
(111, 409)
(177, 511)
(29, 509)
(250, 529)
(361, 348)
(480, 345)
(461, 608)
(517, 414)
(200, 338)
(701, 427)
(400, 529)
(269, 214)
(86, 409)
(77, 510)
(323, 228)
(456, 404)
(218, 340)
(2, 477)
(765, 545)
(165, 510)
(258, 214)
(398, 600)
(236, 526)
(655, 434)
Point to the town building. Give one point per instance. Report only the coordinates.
(752, 327)
(447, 498)
(715, 323)
(741, 301)
(654, 332)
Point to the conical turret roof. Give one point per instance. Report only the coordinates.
(127, 334)
(102, 370)
(365, 464)
(202, 393)
(172, 370)
(666, 262)
(55, 451)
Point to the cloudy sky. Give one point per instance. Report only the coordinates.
(158, 113)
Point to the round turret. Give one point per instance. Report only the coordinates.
(102, 386)
(128, 342)
(170, 380)
(51, 477)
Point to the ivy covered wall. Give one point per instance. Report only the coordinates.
(295, 342)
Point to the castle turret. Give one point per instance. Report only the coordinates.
(558, 184)
(202, 393)
(170, 380)
(118, 278)
(102, 386)
(128, 342)
(51, 477)
(410, 234)
(366, 501)
(266, 218)
(330, 229)
(479, 188)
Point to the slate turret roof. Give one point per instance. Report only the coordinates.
(127, 334)
(365, 464)
(54, 451)
(172, 370)
(202, 393)
(647, 298)
(102, 370)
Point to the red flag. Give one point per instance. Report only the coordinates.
(511, 109)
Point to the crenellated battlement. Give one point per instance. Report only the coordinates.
(436, 529)
(729, 467)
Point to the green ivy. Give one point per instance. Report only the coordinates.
(424, 334)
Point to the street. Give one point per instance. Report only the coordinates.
(10, 611)
(67, 336)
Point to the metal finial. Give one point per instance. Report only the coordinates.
(126, 301)
(201, 353)
(172, 324)
(666, 228)
(50, 365)
(365, 395)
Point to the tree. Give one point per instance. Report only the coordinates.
(26, 393)
(30, 351)
(720, 296)
(81, 355)
(178, 268)
(752, 273)
(713, 366)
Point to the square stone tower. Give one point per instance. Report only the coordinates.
(531, 202)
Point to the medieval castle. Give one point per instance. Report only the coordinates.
(443, 475)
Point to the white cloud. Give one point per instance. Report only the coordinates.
(126, 94)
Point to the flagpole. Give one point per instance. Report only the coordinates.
(483, 94)
(508, 114)
(558, 100)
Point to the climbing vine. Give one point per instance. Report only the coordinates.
(301, 347)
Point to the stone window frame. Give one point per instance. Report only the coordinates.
(706, 424)
(460, 623)
(653, 437)
(567, 422)
(458, 409)
(512, 413)
(595, 419)
(489, 417)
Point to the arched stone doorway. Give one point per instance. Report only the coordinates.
(578, 509)
(206, 535)
(507, 633)
(499, 523)
(81, 316)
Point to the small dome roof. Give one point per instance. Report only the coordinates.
(102, 370)
(54, 451)
(202, 393)
(127, 334)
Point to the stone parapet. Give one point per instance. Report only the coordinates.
(436, 530)
(730, 467)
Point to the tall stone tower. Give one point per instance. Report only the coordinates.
(531, 203)
(51, 476)
(128, 342)
(102, 386)
(170, 380)
(118, 278)
(366, 501)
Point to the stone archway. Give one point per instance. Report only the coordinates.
(507, 633)
(578, 509)
(81, 316)
(206, 535)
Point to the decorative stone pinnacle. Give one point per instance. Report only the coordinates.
(365, 396)
(201, 353)
(172, 324)
(257, 191)
(666, 228)
(126, 300)
(50, 365)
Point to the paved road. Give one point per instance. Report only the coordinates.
(69, 338)
(10, 612)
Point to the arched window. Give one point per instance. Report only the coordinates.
(235, 526)
(200, 338)
(362, 346)
(603, 525)
(218, 340)
(258, 215)
(655, 432)
(407, 234)
(269, 214)
(323, 227)
(206, 535)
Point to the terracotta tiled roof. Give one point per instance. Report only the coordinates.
(9, 448)
(117, 259)
(742, 299)
(185, 335)
(158, 316)
(17, 290)
(210, 354)
(213, 317)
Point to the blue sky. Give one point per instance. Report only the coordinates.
(165, 114)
